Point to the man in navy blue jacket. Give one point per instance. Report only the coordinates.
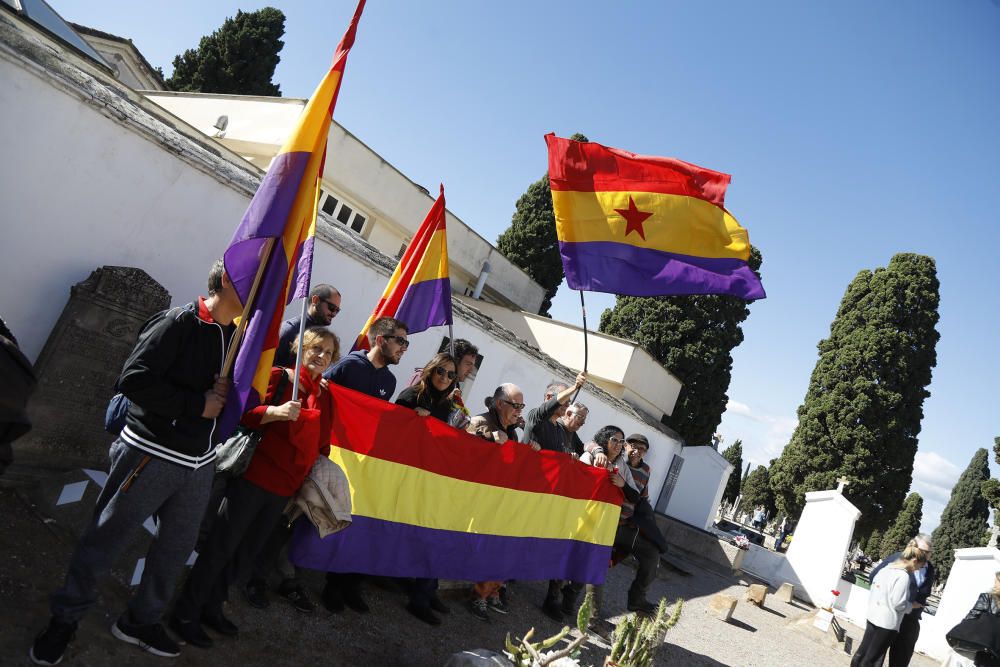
(367, 372)
(921, 582)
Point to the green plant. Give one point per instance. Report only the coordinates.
(635, 641)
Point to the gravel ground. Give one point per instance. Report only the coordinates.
(34, 553)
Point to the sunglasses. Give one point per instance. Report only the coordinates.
(403, 343)
(334, 308)
(516, 406)
(441, 372)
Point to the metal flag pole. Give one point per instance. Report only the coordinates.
(451, 344)
(583, 310)
(299, 354)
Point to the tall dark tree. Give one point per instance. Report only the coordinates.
(734, 454)
(861, 414)
(530, 242)
(757, 492)
(872, 544)
(906, 525)
(238, 58)
(964, 517)
(991, 491)
(693, 336)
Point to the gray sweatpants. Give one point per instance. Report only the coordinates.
(176, 495)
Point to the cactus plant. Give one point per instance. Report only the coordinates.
(635, 641)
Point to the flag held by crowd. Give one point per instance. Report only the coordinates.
(278, 229)
(432, 501)
(419, 290)
(645, 226)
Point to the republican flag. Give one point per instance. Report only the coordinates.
(419, 290)
(432, 501)
(645, 226)
(278, 230)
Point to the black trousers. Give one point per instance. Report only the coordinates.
(244, 522)
(902, 646)
(873, 646)
(422, 590)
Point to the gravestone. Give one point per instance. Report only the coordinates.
(80, 363)
(822, 536)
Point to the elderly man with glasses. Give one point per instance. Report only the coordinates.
(324, 304)
(541, 429)
(570, 423)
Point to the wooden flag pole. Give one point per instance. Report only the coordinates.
(583, 309)
(238, 336)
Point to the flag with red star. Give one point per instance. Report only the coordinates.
(645, 226)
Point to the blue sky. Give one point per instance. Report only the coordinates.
(853, 131)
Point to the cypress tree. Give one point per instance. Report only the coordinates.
(757, 492)
(693, 337)
(964, 518)
(734, 454)
(873, 544)
(906, 525)
(531, 242)
(238, 58)
(862, 411)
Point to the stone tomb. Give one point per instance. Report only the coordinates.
(80, 363)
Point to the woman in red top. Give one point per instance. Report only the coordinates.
(295, 434)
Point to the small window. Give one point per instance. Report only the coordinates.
(359, 222)
(345, 214)
(330, 204)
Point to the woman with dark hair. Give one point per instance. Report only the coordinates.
(430, 397)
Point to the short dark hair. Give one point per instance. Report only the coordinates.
(605, 433)
(215, 277)
(323, 291)
(385, 326)
(464, 348)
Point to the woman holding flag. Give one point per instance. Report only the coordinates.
(295, 433)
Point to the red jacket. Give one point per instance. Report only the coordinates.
(288, 450)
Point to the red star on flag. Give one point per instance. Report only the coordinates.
(633, 218)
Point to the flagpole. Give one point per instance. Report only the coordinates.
(451, 344)
(300, 353)
(583, 310)
(237, 337)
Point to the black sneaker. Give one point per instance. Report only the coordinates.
(424, 614)
(353, 599)
(217, 621)
(191, 632)
(497, 605)
(256, 593)
(333, 600)
(51, 643)
(478, 608)
(297, 596)
(552, 609)
(150, 638)
(641, 606)
(438, 606)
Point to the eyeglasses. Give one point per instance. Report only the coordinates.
(403, 343)
(616, 441)
(442, 372)
(334, 308)
(516, 406)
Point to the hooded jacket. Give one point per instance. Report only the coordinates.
(175, 361)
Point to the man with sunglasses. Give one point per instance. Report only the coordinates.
(367, 372)
(541, 428)
(324, 304)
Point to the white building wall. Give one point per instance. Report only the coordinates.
(698, 492)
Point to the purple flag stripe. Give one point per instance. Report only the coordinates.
(270, 299)
(302, 273)
(619, 268)
(426, 304)
(387, 548)
(266, 217)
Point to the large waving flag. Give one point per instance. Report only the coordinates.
(432, 501)
(278, 229)
(419, 290)
(645, 226)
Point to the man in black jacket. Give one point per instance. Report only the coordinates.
(324, 304)
(161, 465)
(921, 582)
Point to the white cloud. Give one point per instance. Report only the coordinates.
(764, 435)
(933, 478)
